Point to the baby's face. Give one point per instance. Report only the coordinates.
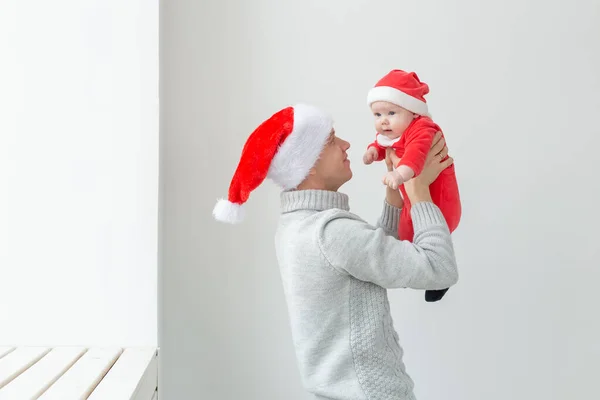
(391, 120)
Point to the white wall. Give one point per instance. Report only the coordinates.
(514, 85)
(78, 172)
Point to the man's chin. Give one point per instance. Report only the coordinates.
(348, 177)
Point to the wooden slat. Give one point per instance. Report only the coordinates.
(35, 380)
(148, 385)
(133, 377)
(5, 350)
(17, 361)
(83, 377)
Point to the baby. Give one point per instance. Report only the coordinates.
(402, 122)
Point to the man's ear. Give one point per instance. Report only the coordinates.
(312, 171)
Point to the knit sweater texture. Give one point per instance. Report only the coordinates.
(336, 269)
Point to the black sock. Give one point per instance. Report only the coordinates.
(434, 295)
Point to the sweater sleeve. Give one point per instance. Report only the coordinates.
(373, 254)
(389, 219)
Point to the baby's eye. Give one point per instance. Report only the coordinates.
(377, 115)
(392, 112)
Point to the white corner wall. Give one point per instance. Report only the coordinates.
(78, 172)
(515, 86)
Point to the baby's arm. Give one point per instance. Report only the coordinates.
(417, 147)
(397, 177)
(413, 160)
(404, 172)
(375, 152)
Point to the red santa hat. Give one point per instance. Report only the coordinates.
(403, 89)
(283, 148)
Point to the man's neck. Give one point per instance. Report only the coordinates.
(310, 185)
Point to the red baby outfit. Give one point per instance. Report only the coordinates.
(412, 147)
(406, 90)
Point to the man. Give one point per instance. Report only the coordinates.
(335, 267)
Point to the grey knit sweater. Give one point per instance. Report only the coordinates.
(336, 269)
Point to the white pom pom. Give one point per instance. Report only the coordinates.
(226, 211)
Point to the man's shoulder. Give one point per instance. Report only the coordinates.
(316, 223)
(309, 238)
(334, 225)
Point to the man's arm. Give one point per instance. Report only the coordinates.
(374, 254)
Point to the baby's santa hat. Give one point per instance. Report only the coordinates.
(283, 148)
(403, 89)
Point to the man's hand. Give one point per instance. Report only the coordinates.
(370, 155)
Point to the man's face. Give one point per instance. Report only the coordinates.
(332, 169)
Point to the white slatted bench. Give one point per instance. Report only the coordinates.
(78, 373)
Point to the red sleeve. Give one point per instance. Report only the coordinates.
(380, 150)
(417, 145)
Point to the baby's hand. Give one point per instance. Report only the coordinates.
(393, 180)
(370, 155)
